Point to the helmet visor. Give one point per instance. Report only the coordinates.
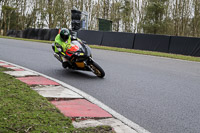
(65, 37)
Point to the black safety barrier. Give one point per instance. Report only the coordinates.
(47, 35)
(28, 32)
(151, 42)
(19, 34)
(15, 33)
(41, 34)
(36, 32)
(33, 34)
(53, 33)
(25, 33)
(91, 37)
(185, 45)
(10, 33)
(118, 39)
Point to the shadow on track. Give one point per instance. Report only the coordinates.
(75, 74)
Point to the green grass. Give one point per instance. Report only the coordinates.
(24, 110)
(98, 129)
(24, 39)
(168, 55)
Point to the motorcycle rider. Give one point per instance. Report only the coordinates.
(61, 44)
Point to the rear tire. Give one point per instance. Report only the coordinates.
(97, 70)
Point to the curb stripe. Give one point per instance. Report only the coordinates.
(126, 121)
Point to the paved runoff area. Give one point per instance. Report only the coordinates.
(69, 103)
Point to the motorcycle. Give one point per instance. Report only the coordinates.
(79, 57)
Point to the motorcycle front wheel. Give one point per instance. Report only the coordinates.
(97, 70)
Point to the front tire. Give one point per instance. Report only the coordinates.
(64, 65)
(97, 70)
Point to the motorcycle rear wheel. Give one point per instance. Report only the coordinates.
(97, 70)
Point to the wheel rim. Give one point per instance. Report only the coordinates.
(96, 71)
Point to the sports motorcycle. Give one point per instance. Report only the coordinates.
(79, 57)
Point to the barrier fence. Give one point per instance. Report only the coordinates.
(161, 43)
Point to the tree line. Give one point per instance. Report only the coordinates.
(169, 17)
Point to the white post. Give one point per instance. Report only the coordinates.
(87, 19)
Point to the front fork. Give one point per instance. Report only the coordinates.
(89, 62)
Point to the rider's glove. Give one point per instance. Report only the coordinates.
(59, 49)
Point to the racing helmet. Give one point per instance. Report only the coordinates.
(64, 34)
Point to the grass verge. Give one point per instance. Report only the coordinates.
(174, 56)
(160, 54)
(24, 39)
(24, 110)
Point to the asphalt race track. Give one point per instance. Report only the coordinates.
(159, 94)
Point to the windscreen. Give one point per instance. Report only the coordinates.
(79, 45)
